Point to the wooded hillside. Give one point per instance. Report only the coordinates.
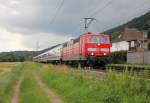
(142, 23)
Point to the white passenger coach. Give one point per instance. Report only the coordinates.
(53, 55)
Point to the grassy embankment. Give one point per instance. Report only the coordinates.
(9, 73)
(75, 87)
(30, 92)
(145, 66)
(7, 67)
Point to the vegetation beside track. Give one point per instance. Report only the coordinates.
(7, 66)
(8, 80)
(75, 87)
(140, 66)
(30, 92)
(119, 57)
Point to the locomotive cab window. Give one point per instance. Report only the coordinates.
(103, 39)
(97, 39)
(90, 39)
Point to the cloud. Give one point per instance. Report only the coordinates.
(45, 40)
(16, 41)
(28, 19)
(10, 41)
(36, 15)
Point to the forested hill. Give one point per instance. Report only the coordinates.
(17, 56)
(141, 23)
(21, 55)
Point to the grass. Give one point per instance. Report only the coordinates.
(131, 65)
(7, 81)
(30, 92)
(7, 66)
(74, 87)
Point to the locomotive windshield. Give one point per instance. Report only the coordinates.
(97, 39)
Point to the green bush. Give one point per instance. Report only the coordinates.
(119, 57)
(149, 45)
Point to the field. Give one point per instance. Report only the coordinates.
(44, 83)
(7, 66)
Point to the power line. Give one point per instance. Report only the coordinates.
(126, 13)
(97, 22)
(57, 11)
(87, 22)
(96, 12)
(130, 15)
(92, 7)
(119, 24)
(101, 9)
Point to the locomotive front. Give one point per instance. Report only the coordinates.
(96, 48)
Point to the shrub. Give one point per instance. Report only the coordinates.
(119, 57)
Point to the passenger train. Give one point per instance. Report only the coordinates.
(87, 49)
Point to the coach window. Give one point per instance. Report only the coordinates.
(76, 40)
(82, 40)
(65, 45)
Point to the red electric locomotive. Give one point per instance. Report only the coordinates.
(90, 49)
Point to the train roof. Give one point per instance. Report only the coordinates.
(90, 33)
(47, 50)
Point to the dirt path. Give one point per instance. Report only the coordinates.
(15, 98)
(51, 95)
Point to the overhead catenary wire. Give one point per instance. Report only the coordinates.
(101, 9)
(110, 26)
(129, 16)
(57, 11)
(98, 11)
(126, 13)
(92, 8)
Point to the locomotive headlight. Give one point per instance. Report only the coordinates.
(105, 49)
(91, 49)
(92, 53)
(105, 54)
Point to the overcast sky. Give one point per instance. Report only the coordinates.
(25, 22)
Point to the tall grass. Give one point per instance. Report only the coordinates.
(74, 87)
(7, 67)
(7, 82)
(30, 92)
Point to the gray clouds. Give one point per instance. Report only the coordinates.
(35, 15)
(31, 18)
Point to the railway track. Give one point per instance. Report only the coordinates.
(119, 68)
(139, 69)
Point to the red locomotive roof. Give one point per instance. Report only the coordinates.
(90, 33)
